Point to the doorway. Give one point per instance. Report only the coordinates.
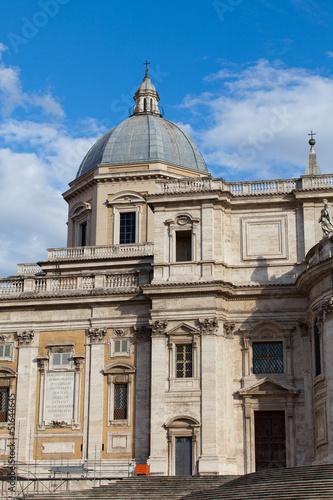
(183, 456)
(270, 439)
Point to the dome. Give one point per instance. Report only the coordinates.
(145, 136)
(142, 138)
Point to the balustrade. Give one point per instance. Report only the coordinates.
(100, 252)
(44, 285)
(245, 188)
(11, 286)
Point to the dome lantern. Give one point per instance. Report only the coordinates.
(146, 97)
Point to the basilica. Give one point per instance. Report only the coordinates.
(187, 325)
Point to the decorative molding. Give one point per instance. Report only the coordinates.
(120, 332)
(96, 334)
(42, 362)
(208, 325)
(143, 333)
(24, 338)
(5, 338)
(159, 327)
(78, 361)
(245, 343)
(304, 328)
(228, 330)
(327, 306)
(57, 423)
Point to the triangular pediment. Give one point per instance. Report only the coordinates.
(183, 329)
(268, 386)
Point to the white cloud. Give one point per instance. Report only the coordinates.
(255, 123)
(38, 157)
(13, 97)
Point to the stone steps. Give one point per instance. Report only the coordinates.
(297, 483)
(143, 488)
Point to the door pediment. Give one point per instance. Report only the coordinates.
(267, 387)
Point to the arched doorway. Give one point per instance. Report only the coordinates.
(183, 442)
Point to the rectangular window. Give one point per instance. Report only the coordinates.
(317, 350)
(120, 401)
(120, 347)
(83, 234)
(60, 359)
(127, 228)
(6, 351)
(267, 357)
(184, 362)
(4, 394)
(183, 246)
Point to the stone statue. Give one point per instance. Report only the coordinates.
(325, 219)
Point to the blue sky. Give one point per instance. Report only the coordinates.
(247, 79)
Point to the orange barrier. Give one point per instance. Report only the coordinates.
(142, 470)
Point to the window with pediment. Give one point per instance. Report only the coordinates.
(120, 378)
(127, 213)
(184, 356)
(183, 238)
(80, 218)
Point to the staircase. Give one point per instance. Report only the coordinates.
(301, 483)
(297, 483)
(143, 488)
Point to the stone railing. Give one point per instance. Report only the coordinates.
(28, 269)
(11, 287)
(59, 284)
(320, 252)
(245, 188)
(101, 252)
(188, 186)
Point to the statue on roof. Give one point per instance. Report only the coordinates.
(325, 219)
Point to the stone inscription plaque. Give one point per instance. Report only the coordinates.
(59, 404)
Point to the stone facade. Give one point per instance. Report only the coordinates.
(205, 339)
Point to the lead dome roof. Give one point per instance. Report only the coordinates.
(145, 136)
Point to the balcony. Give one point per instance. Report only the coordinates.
(279, 186)
(63, 285)
(100, 252)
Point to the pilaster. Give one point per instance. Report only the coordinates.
(158, 444)
(27, 346)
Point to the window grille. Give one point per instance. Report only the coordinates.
(120, 401)
(61, 359)
(4, 393)
(184, 360)
(267, 357)
(127, 228)
(5, 351)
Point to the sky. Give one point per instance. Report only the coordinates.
(247, 79)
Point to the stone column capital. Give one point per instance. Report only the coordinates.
(208, 325)
(96, 335)
(24, 338)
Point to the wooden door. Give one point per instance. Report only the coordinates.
(270, 439)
